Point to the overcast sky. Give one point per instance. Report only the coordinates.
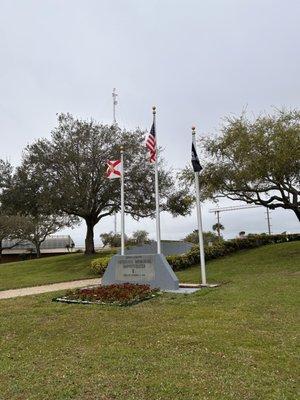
(197, 61)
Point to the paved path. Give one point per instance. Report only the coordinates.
(8, 294)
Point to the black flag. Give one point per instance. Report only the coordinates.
(195, 160)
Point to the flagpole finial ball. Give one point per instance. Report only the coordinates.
(193, 129)
(154, 109)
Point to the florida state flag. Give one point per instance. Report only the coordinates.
(114, 169)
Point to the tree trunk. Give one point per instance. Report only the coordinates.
(89, 239)
(38, 250)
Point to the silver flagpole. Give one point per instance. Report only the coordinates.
(115, 102)
(122, 204)
(156, 187)
(199, 219)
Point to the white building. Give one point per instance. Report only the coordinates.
(54, 244)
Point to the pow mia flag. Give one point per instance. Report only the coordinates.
(195, 160)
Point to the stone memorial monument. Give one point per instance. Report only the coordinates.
(149, 269)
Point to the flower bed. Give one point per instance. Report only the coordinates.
(125, 294)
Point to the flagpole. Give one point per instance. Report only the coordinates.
(122, 204)
(115, 102)
(156, 187)
(199, 219)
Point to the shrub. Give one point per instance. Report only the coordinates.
(99, 265)
(217, 250)
(224, 248)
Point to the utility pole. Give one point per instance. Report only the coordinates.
(115, 102)
(269, 221)
(242, 207)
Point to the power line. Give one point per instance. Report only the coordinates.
(218, 210)
(232, 208)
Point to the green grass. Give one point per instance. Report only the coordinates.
(235, 342)
(45, 270)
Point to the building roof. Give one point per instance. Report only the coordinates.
(52, 244)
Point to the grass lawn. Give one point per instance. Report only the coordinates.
(45, 270)
(234, 342)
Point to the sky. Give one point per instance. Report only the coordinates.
(197, 61)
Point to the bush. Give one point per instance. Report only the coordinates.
(99, 265)
(208, 237)
(224, 248)
(217, 250)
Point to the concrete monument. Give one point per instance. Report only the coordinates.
(150, 269)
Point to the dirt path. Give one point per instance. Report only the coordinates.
(8, 294)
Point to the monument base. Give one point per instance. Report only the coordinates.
(149, 269)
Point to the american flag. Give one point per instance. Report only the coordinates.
(151, 144)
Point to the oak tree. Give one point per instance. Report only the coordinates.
(72, 167)
(257, 162)
(30, 213)
(12, 229)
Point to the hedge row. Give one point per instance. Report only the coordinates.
(223, 248)
(217, 250)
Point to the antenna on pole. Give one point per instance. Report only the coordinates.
(115, 102)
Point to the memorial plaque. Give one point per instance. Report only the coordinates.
(135, 268)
